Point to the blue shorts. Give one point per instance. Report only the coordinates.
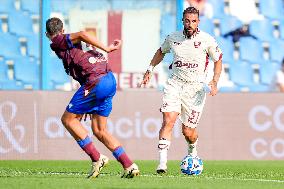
(97, 101)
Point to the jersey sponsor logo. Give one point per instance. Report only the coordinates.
(196, 44)
(94, 60)
(180, 64)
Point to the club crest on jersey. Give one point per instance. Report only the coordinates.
(92, 60)
(196, 44)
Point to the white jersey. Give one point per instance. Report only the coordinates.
(280, 77)
(191, 56)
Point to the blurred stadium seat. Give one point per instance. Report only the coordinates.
(227, 47)
(96, 5)
(276, 50)
(32, 6)
(259, 88)
(206, 25)
(241, 73)
(251, 50)
(262, 29)
(272, 9)
(218, 8)
(11, 85)
(158, 4)
(14, 45)
(20, 23)
(7, 6)
(3, 71)
(267, 71)
(58, 76)
(1, 26)
(168, 25)
(230, 89)
(122, 4)
(64, 6)
(27, 71)
(130, 4)
(33, 45)
(229, 23)
(281, 29)
(245, 10)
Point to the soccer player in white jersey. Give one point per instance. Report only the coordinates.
(184, 93)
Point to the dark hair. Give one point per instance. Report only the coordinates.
(190, 10)
(54, 26)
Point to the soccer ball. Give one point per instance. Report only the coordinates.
(191, 165)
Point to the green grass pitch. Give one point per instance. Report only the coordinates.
(72, 174)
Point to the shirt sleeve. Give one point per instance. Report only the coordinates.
(214, 50)
(165, 47)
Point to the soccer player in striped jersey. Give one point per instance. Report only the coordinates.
(98, 86)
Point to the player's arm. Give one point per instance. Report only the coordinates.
(92, 40)
(158, 57)
(216, 55)
(217, 72)
(279, 82)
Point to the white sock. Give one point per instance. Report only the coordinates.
(163, 146)
(192, 149)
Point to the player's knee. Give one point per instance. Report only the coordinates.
(64, 120)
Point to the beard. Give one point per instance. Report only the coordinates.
(188, 33)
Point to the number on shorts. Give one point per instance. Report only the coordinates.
(193, 117)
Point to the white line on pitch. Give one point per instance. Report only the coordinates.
(149, 175)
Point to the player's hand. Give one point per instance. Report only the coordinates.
(146, 78)
(213, 85)
(115, 45)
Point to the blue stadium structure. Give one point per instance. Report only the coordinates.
(244, 60)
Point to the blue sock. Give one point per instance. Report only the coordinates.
(118, 152)
(84, 142)
(122, 157)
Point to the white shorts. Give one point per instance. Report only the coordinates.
(187, 99)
